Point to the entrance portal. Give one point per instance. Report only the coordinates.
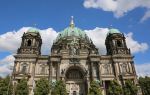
(75, 82)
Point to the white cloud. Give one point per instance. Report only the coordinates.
(98, 36)
(134, 45)
(6, 64)
(146, 16)
(48, 36)
(7, 59)
(118, 7)
(143, 69)
(10, 41)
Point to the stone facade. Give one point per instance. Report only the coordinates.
(75, 60)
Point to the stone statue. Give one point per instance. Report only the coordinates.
(62, 71)
(73, 47)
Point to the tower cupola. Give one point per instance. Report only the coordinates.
(115, 43)
(31, 42)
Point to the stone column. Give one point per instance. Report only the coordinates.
(18, 67)
(87, 86)
(134, 71)
(50, 71)
(32, 81)
(99, 71)
(58, 70)
(129, 67)
(50, 74)
(115, 70)
(14, 70)
(133, 68)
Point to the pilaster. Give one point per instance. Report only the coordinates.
(58, 71)
(50, 71)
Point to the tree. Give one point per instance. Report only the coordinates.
(130, 88)
(42, 87)
(95, 89)
(145, 85)
(59, 88)
(22, 87)
(114, 88)
(5, 86)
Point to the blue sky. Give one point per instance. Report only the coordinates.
(88, 14)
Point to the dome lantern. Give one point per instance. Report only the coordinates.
(72, 22)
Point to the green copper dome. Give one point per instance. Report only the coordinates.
(33, 30)
(113, 30)
(72, 31)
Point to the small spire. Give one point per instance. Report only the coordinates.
(72, 22)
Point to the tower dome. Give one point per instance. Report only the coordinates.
(113, 31)
(33, 30)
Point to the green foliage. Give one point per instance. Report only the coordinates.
(95, 89)
(145, 85)
(22, 87)
(5, 86)
(42, 87)
(130, 88)
(59, 88)
(114, 88)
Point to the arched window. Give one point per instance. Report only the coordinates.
(29, 43)
(74, 74)
(119, 44)
(24, 68)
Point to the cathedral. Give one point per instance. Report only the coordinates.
(74, 59)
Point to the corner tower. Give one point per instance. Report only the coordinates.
(31, 42)
(121, 59)
(115, 43)
(26, 58)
